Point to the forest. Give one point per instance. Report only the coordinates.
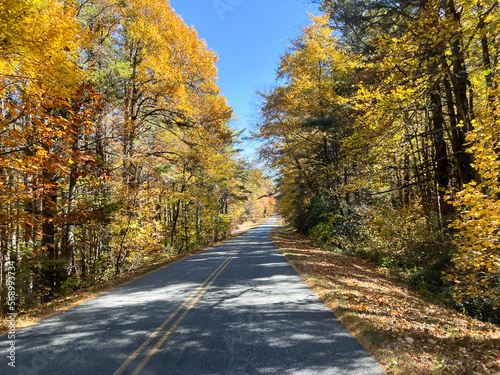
(384, 129)
(116, 149)
(382, 132)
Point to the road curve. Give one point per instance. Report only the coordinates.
(237, 308)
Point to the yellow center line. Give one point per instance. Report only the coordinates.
(155, 348)
(172, 316)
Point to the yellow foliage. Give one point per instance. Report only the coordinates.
(477, 264)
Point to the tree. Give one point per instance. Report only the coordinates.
(306, 119)
(115, 149)
(48, 104)
(432, 88)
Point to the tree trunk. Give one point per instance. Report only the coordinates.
(51, 271)
(441, 152)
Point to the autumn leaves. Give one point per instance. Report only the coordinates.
(393, 114)
(115, 149)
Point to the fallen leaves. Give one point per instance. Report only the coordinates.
(412, 336)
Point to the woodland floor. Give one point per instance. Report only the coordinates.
(404, 333)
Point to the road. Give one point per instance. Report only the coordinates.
(237, 308)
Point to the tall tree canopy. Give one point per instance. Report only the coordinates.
(383, 125)
(115, 148)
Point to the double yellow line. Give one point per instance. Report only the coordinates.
(196, 295)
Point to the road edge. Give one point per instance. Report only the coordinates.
(36, 314)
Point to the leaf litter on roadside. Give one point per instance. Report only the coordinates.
(404, 333)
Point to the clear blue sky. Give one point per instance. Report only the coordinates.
(248, 36)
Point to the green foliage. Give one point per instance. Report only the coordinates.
(71, 284)
(314, 214)
(222, 224)
(340, 230)
(331, 230)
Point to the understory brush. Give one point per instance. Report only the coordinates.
(406, 243)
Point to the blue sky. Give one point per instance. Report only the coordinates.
(248, 36)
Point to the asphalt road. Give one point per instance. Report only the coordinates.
(238, 308)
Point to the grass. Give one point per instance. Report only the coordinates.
(35, 314)
(403, 332)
